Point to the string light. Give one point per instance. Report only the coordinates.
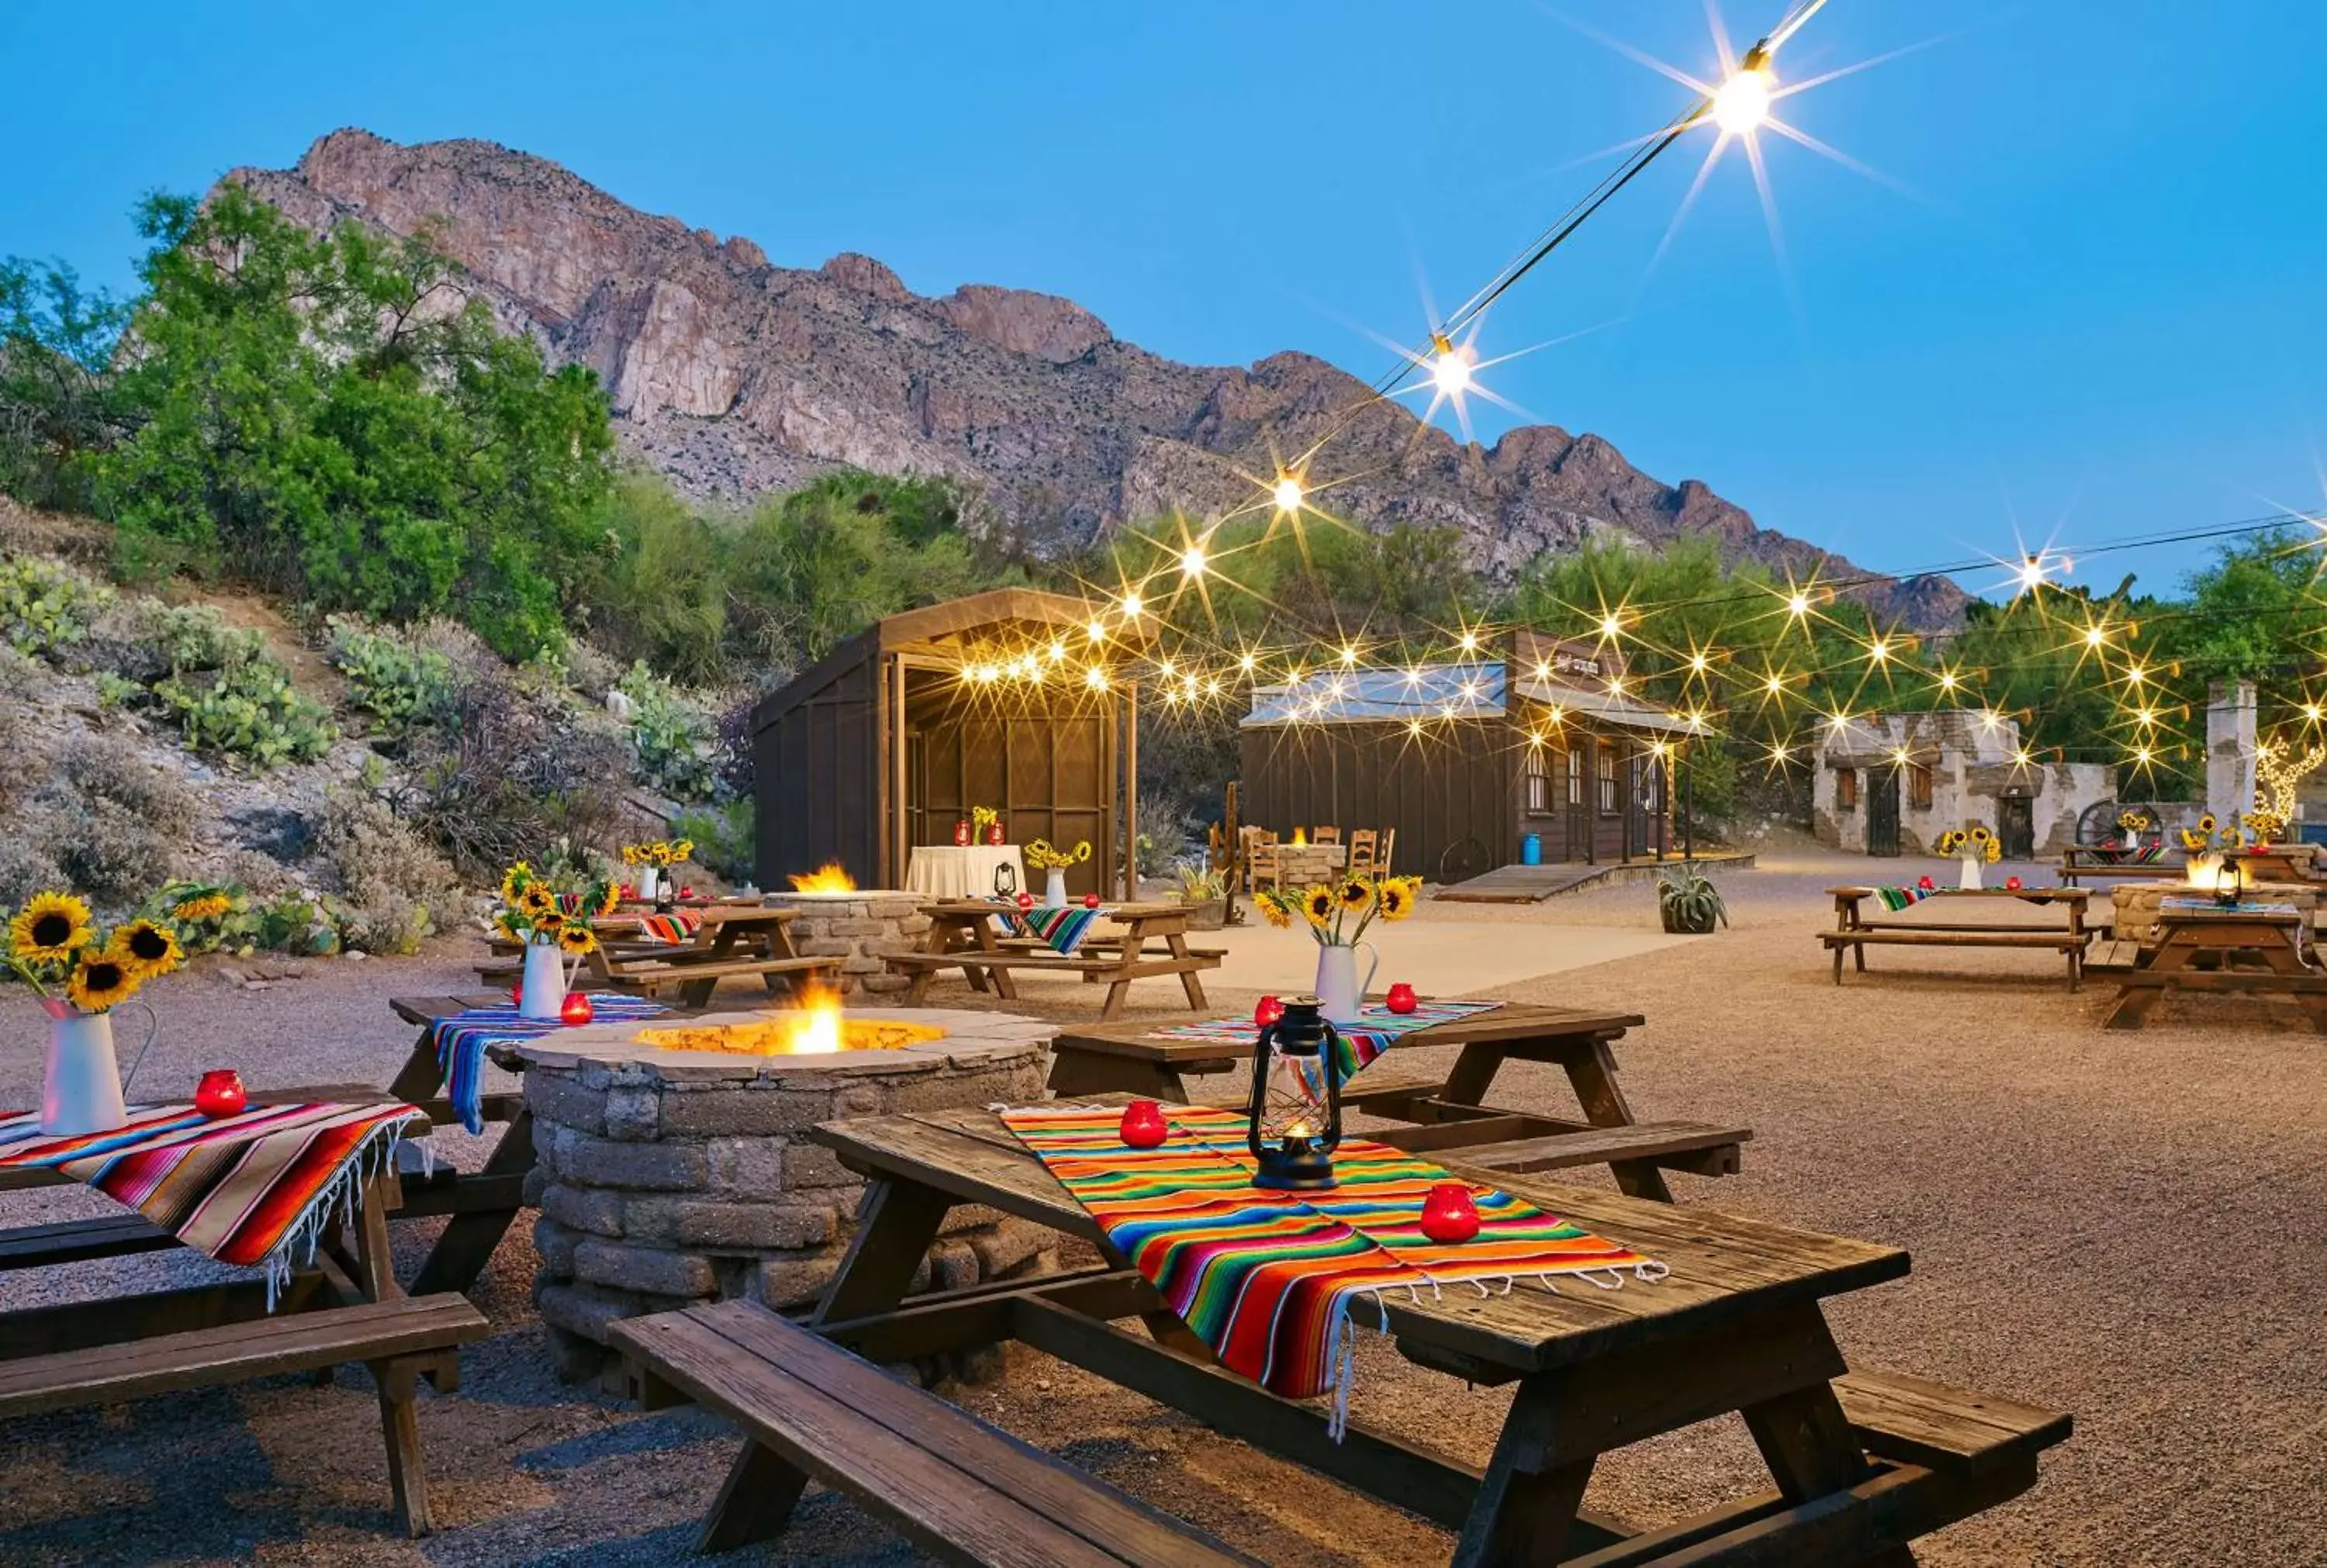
(1288, 492)
(1095, 678)
(1470, 640)
(1799, 605)
(1878, 650)
(1132, 605)
(1193, 561)
(1612, 626)
(1450, 367)
(1742, 102)
(1097, 631)
(1348, 654)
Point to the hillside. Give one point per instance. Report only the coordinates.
(734, 376)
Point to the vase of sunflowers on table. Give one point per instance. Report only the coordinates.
(1972, 846)
(552, 925)
(651, 862)
(1338, 915)
(81, 973)
(1053, 862)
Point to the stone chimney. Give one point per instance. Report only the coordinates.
(2229, 749)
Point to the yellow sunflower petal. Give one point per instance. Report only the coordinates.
(52, 926)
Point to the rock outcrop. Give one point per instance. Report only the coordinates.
(732, 376)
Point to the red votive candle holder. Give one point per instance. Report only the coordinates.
(1449, 1214)
(1924, 885)
(220, 1094)
(577, 1009)
(2011, 884)
(1143, 1126)
(1400, 998)
(1090, 901)
(1267, 1010)
(1025, 901)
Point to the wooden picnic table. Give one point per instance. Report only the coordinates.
(745, 942)
(346, 1306)
(1863, 1462)
(1448, 1104)
(2096, 864)
(2257, 949)
(1973, 917)
(1150, 940)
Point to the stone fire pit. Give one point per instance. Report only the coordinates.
(859, 926)
(672, 1173)
(2136, 904)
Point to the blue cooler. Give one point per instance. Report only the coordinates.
(1530, 849)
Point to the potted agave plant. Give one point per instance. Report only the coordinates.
(1688, 902)
(81, 973)
(552, 925)
(1205, 891)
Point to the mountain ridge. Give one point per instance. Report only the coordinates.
(733, 375)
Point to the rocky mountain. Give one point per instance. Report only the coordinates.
(733, 375)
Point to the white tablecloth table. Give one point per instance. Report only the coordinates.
(953, 870)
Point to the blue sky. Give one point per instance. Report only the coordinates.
(2099, 315)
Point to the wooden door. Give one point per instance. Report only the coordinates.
(2016, 825)
(1882, 811)
(1575, 809)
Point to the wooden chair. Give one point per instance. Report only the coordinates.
(1262, 868)
(1388, 856)
(1363, 842)
(1325, 835)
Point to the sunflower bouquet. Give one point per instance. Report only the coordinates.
(1978, 842)
(55, 947)
(1042, 855)
(2208, 834)
(532, 910)
(1338, 913)
(661, 854)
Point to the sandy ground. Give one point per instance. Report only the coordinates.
(2127, 1225)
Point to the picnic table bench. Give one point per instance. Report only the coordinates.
(1448, 1105)
(1924, 925)
(2248, 948)
(2095, 865)
(347, 1307)
(1152, 942)
(1863, 1461)
(734, 941)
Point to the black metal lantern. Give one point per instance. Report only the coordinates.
(1294, 1123)
(1006, 880)
(2227, 881)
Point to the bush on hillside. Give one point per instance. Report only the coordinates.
(398, 889)
(47, 607)
(677, 744)
(398, 677)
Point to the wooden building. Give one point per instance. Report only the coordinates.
(890, 739)
(1465, 760)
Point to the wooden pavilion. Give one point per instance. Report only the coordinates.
(990, 700)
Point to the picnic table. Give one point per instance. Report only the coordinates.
(2095, 863)
(1449, 1105)
(1862, 1461)
(344, 1306)
(1151, 939)
(2256, 948)
(749, 941)
(1960, 918)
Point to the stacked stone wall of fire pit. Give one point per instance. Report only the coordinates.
(859, 928)
(668, 1183)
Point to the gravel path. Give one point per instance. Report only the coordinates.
(2124, 1225)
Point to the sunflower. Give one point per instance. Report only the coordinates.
(1397, 900)
(146, 949)
(537, 901)
(1278, 915)
(549, 924)
(50, 927)
(509, 924)
(514, 882)
(682, 850)
(99, 980)
(1357, 894)
(2206, 823)
(208, 906)
(577, 939)
(630, 854)
(611, 900)
(1318, 904)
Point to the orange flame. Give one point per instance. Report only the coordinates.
(830, 877)
(1300, 838)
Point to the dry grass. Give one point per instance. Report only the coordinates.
(2124, 1225)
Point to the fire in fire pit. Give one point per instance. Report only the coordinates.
(819, 1026)
(831, 877)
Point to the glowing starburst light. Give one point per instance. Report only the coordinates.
(1096, 678)
(1612, 626)
(1288, 492)
(1450, 367)
(1799, 605)
(1469, 641)
(1193, 561)
(1742, 105)
(2022, 757)
(1096, 630)
(1132, 605)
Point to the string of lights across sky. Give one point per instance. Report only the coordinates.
(1137, 636)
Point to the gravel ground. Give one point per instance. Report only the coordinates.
(2126, 1226)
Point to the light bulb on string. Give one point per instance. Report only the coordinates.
(1449, 366)
(1193, 561)
(1742, 104)
(1132, 605)
(1288, 492)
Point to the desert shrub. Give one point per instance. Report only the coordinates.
(110, 768)
(117, 823)
(399, 679)
(46, 606)
(228, 695)
(678, 745)
(27, 864)
(398, 889)
(725, 838)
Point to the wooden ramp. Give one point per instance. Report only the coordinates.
(1523, 884)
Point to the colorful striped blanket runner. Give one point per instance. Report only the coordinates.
(2185, 904)
(1900, 898)
(1267, 1279)
(462, 1038)
(1062, 926)
(1360, 1042)
(674, 929)
(254, 1190)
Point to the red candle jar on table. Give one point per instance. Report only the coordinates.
(1267, 1010)
(220, 1094)
(1449, 1215)
(1025, 901)
(1924, 885)
(2011, 884)
(961, 834)
(1142, 1125)
(577, 1009)
(1400, 998)
(1090, 901)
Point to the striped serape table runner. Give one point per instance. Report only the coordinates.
(460, 1041)
(675, 929)
(1062, 926)
(1267, 1278)
(1900, 898)
(2188, 904)
(254, 1190)
(1360, 1042)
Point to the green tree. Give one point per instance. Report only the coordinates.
(56, 405)
(330, 415)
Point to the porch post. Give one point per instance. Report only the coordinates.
(1131, 792)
